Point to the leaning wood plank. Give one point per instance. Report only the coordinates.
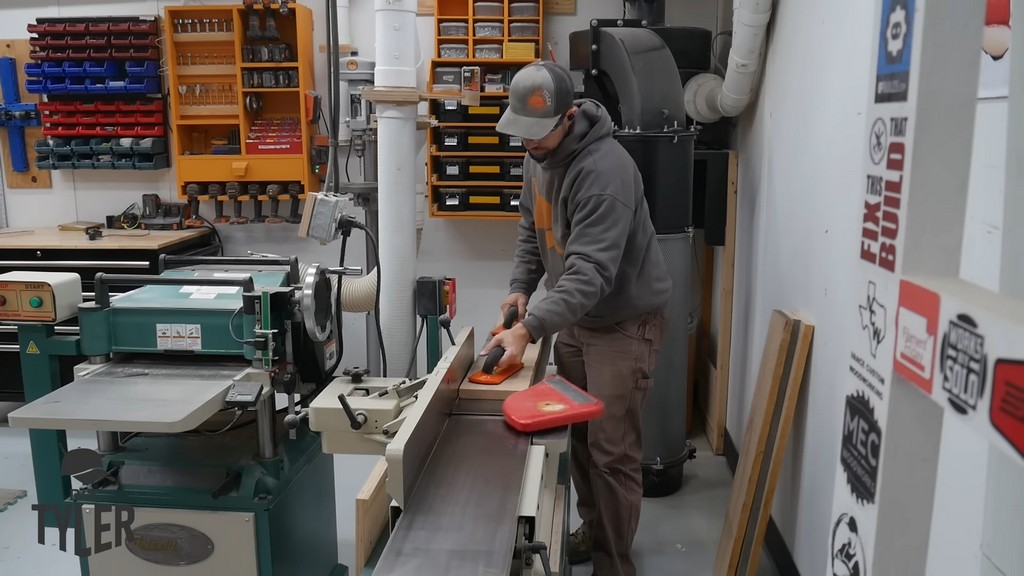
(704, 402)
(778, 438)
(520, 381)
(371, 514)
(720, 398)
(34, 178)
(741, 499)
(559, 6)
(705, 366)
(425, 6)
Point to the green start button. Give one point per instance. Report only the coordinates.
(35, 302)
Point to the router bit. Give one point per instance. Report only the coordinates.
(215, 192)
(294, 189)
(257, 207)
(193, 191)
(216, 25)
(206, 21)
(234, 189)
(188, 26)
(274, 192)
(177, 25)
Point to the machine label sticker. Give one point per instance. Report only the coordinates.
(331, 353)
(878, 141)
(861, 447)
(848, 555)
(1007, 410)
(169, 544)
(163, 337)
(872, 319)
(178, 339)
(917, 328)
(883, 200)
(32, 348)
(895, 43)
(963, 363)
(193, 337)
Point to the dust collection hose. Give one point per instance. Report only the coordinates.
(357, 295)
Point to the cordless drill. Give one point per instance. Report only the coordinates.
(257, 209)
(193, 191)
(294, 189)
(234, 190)
(274, 193)
(215, 191)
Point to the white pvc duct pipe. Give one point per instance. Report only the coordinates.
(396, 60)
(709, 97)
(344, 37)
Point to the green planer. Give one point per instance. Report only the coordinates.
(198, 384)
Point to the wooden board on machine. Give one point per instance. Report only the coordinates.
(34, 178)
(426, 7)
(372, 504)
(521, 380)
(779, 379)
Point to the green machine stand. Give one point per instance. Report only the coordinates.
(246, 490)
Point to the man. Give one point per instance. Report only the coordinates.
(586, 224)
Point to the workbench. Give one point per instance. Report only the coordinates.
(49, 249)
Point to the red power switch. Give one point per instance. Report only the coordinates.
(449, 293)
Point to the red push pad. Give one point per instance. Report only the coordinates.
(551, 403)
(497, 377)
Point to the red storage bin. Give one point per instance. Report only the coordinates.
(34, 28)
(65, 106)
(151, 118)
(143, 40)
(107, 106)
(87, 119)
(121, 53)
(144, 53)
(120, 27)
(127, 130)
(150, 131)
(75, 54)
(47, 106)
(76, 27)
(143, 106)
(126, 118)
(120, 40)
(54, 27)
(98, 27)
(86, 106)
(37, 42)
(97, 40)
(143, 27)
(39, 54)
(99, 53)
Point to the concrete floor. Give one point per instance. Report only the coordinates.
(678, 535)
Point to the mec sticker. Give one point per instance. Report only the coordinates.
(963, 363)
(861, 448)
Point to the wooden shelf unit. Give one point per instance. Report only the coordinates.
(491, 103)
(220, 111)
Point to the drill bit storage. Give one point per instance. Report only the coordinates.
(235, 74)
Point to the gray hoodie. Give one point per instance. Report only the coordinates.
(585, 222)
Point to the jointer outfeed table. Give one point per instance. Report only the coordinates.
(471, 494)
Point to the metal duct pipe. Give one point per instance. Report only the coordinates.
(397, 53)
(709, 97)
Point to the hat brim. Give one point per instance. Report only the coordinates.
(524, 127)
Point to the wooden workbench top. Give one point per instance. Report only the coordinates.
(53, 238)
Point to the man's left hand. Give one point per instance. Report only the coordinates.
(514, 341)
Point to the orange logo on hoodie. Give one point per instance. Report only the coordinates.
(542, 219)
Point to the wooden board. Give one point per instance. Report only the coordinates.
(720, 390)
(778, 439)
(34, 178)
(53, 238)
(755, 439)
(520, 381)
(426, 7)
(372, 504)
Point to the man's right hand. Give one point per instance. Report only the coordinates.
(517, 300)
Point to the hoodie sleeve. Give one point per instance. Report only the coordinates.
(600, 222)
(528, 268)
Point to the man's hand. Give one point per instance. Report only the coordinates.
(519, 301)
(514, 341)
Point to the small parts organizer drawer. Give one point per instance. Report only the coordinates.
(477, 140)
(109, 118)
(488, 200)
(452, 110)
(480, 169)
(101, 153)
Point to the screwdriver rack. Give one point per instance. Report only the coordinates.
(233, 71)
(101, 80)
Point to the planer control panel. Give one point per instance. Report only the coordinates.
(44, 297)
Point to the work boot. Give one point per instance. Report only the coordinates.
(579, 546)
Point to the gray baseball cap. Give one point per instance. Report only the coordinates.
(540, 94)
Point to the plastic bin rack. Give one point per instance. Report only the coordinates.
(101, 154)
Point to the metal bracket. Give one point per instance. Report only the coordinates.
(595, 28)
(15, 115)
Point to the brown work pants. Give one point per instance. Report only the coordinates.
(614, 364)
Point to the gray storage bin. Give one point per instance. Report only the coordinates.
(447, 75)
(489, 9)
(488, 29)
(487, 51)
(454, 29)
(524, 9)
(524, 30)
(454, 50)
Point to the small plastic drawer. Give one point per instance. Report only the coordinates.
(74, 69)
(105, 69)
(510, 199)
(120, 27)
(447, 75)
(47, 106)
(63, 162)
(121, 53)
(98, 27)
(144, 68)
(106, 118)
(42, 146)
(451, 169)
(33, 70)
(97, 41)
(86, 118)
(56, 86)
(60, 145)
(488, 51)
(54, 27)
(117, 86)
(83, 161)
(143, 106)
(107, 106)
(103, 161)
(124, 162)
(145, 53)
(523, 30)
(451, 140)
(120, 41)
(100, 53)
(96, 86)
(524, 10)
(452, 199)
(150, 118)
(149, 146)
(150, 131)
(38, 42)
(142, 27)
(35, 86)
(122, 145)
(123, 131)
(453, 29)
(78, 54)
(142, 85)
(486, 169)
(143, 40)
(62, 54)
(453, 50)
(76, 27)
(150, 161)
(69, 41)
(44, 162)
(488, 9)
(101, 146)
(53, 69)
(127, 118)
(489, 29)
(34, 28)
(514, 169)
(513, 143)
(484, 141)
(92, 107)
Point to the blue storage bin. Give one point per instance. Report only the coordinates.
(76, 86)
(55, 86)
(143, 85)
(44, 162)
(105, 69)
(151, 162)
(81, 146)
(117, 86)
(33, 70)
(149, 146)
(34, 86)
(142, 68)
(53, 70)
(74, 69)
(94, 86)
(42, 147)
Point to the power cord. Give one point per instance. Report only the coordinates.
(346, 224)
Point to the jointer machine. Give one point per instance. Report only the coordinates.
(211, 391)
